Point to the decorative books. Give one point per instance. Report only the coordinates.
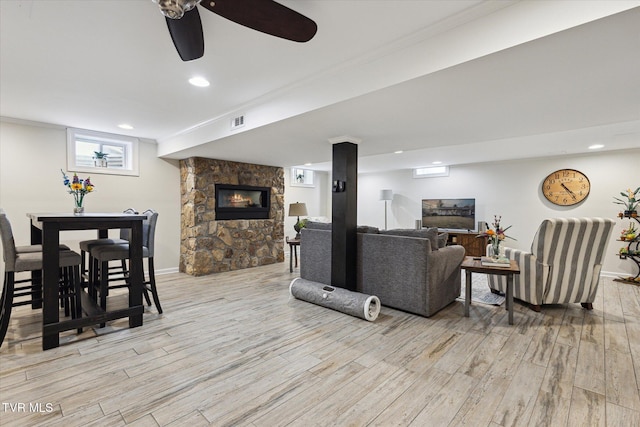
(493, 262)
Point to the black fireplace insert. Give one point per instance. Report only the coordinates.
(242, 202)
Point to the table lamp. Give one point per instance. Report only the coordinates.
(297, 209)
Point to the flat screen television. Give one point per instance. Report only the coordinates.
(449, 214)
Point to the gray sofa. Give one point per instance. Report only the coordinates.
(410, 270)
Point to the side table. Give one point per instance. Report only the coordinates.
(293, 252)
(474, 265)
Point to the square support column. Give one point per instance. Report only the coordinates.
(344, 215)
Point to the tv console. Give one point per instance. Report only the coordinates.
(473, 245)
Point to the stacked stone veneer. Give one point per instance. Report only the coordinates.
(209, 246)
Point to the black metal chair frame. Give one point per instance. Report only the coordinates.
(99, 284)
(70, 284)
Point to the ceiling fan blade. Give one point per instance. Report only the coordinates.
(266, 16)
(187, 36)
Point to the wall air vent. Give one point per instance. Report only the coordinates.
(237, 122)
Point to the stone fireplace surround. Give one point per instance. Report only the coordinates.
(211, 246)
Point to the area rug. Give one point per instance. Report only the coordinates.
(480, 291)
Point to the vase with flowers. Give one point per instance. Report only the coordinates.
(630, 203)
(78, 188)
(496, 235)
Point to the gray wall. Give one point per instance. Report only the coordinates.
(510, 189)
(317, 199)
(31, 156)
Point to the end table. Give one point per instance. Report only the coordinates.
(293, 252)
(474, 265)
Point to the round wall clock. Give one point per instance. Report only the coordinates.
(566, 187)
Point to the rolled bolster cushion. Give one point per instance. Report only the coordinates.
(425, 233)
(356, 304)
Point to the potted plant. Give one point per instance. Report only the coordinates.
(100, 159)
(630, 204)
(629, 233)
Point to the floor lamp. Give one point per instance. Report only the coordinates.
(386, 195)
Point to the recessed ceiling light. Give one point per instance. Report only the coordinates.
(437, 162)
(125, 126)
(596, 146)
(307, 164)
(199, 81)
(398, 152)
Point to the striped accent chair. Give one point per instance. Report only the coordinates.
(563, 265)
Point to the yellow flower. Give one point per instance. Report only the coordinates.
(89, 188)
(490, 232)
(76, 186)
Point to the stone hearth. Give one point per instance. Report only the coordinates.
(210, 246)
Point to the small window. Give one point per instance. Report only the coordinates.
(301, 177)
(429, 172)
(102, 153)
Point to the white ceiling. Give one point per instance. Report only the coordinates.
(455, 81)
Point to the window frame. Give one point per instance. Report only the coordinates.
(131, 145)
(430, 172)
(307, 177)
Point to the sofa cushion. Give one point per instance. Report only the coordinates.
(367, 229)
(442, 239)
(313, 225)
(425, 233)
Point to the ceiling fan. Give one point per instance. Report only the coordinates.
(267, 16)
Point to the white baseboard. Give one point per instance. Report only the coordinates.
(167, 271)
(614, 274)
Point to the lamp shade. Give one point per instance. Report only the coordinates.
(386, 195)
(297, 209)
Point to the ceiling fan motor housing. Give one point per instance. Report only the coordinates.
(175, 9)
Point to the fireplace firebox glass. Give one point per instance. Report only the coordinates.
(242, 202)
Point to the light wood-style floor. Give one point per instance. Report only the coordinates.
(235, 349)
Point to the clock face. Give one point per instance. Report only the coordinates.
(566, 187)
